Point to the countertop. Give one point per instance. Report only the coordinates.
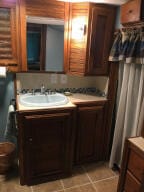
(138, 141)
(76, 98)
(81, 98)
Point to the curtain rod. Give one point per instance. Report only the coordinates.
(131, 26)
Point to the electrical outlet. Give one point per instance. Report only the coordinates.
(53, 78)
(63, 79)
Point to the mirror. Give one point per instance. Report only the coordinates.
(45, 44)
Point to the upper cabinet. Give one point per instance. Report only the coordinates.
(48, 8)
(56, 36)
(10, 35)
(90, 36)
(132, 11)
(45, 46)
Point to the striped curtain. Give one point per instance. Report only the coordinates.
(128, 50)
(128, 47)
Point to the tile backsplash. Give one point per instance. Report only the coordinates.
(57, 81)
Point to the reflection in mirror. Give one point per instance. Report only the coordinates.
(45, 46)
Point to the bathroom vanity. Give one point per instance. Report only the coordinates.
(52, 140)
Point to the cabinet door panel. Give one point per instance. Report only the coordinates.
(131, 184)
(48, 139)
(90, 134)
(102, 20)
(136, 165)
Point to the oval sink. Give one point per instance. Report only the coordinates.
(39, 100)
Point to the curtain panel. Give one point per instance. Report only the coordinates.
(128, 47)
(128, 50)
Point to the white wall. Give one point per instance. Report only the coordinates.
(54, 49)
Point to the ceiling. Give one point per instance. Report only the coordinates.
(113, 2)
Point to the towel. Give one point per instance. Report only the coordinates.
(10, 130)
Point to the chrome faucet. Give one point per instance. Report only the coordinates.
(33, 91)
(42, 89)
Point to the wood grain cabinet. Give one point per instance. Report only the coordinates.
(132, 11)
(90, 133)
(10, 35)
(132, 169)
(90, 32)
(45, 144)
(48, 9)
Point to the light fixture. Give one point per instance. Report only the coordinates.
(78, 28)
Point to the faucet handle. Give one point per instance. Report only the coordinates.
(42, 89)
(33, 91)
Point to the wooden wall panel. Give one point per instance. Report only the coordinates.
(77, 48)
(45, 8)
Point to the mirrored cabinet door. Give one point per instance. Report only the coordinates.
(45, 36)
(45, 47)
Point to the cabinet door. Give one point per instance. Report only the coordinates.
(90, 132)
(101, 24)
(77, 38)
(9, 34)
(47, 147)
(90, 38)
(131, 11)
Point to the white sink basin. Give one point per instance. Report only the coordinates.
(39, 100)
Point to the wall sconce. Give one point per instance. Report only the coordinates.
(78, 28)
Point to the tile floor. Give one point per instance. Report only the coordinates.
(88, 178)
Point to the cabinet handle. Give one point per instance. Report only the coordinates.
(130, 11)
(30, 139)
(11, 64)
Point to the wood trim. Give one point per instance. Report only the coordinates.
(22, 15)
(142, 132)
(113, 78)
(90, 103)
(43, 47)
(124, 167)
(66, 30)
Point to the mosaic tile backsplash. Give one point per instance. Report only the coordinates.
(88, 90)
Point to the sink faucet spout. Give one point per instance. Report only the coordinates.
(42, 89)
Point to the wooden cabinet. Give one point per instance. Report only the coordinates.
(48, 8)
(90, 133)
(132, 169)
(51, 10)
(10, 35)
(132, 11)
(45, 144)
(90, 32)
